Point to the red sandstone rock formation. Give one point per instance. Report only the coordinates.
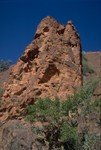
(49, 67)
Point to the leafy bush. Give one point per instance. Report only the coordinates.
(5, 64)
(61, 128)
(91, 142)
(68, 136)
(54, 113)
(67, 106)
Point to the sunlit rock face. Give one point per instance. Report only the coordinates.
(49, 67)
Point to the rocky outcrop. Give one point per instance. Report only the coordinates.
(14, 135)
(49, 67)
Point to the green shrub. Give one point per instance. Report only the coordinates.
(91, 142)
(67, 106)
(37, 130)
(60, 130)
(5, 64)
(68, 133)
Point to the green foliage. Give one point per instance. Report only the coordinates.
(37, 130)
(5, 64)
(91, 142)
(68, 133)
(84, 93)
(31, 112)
(61, 128)
(67, 106)
(86, 67)
(44, 110)
(97, 103)
(97, 107)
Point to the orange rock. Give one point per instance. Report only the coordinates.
(4, 117)
(49, 67)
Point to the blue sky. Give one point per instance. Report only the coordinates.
(19, 20)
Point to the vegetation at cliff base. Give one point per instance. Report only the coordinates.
(66, 125)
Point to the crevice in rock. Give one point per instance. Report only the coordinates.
(60, 31)
(70, 64)
(49, 72)
(20, 91)
(46, 29)
(24, 58)
(70, 52)
(33, 54)
(37, 35)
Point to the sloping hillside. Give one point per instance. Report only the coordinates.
(94, 60)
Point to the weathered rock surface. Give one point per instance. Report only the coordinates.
(49, 67)
(15, 136)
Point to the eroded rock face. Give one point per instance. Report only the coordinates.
(49, 67)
